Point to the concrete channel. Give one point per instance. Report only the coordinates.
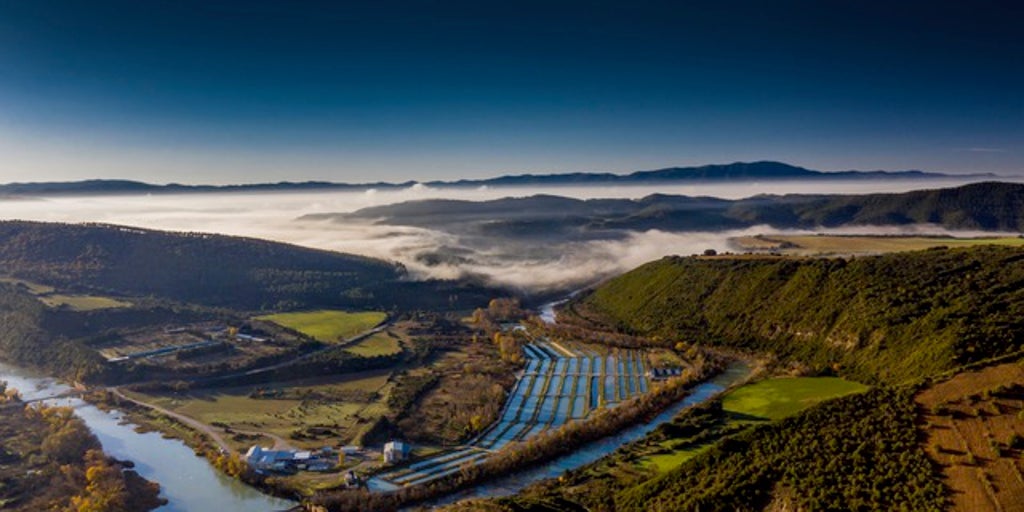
(559, 384)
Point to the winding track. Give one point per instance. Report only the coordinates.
(215, 434)
(210, 432)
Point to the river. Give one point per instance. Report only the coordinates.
(511, 484)
(189, 483)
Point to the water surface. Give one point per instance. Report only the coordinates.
(188, 482)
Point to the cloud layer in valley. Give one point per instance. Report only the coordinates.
(427, 252)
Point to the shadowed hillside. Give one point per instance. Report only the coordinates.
(214, 270)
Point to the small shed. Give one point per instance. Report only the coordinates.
(395, 451)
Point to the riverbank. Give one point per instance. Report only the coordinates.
(188, 483)
(204, 440)
(49, 460)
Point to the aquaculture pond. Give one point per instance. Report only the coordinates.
(591, 452)
(558, 384)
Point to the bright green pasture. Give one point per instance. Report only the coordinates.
(765, 400)
(82, 302)
(778, 398)
(380, 344)
(328, 325)
(33, 288)
(667, 461)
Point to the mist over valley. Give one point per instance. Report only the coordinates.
(511, 256)
(536, 239)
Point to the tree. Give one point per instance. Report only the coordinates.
(68, 439)
(105, 489)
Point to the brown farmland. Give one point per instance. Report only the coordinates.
(973, 428)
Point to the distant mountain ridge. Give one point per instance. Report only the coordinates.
(738, 171)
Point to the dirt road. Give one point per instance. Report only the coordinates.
(211, 432)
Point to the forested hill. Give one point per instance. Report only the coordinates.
(887, 319)
(987, 205)
(206, 269)
(992, 206)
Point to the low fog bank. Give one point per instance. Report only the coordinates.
(429, 253)
(572, 265)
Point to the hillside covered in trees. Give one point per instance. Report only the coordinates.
(990, 206)
(901, 322)
(151, 279)
(853, 453)
(26, 340)
(882, 319)
(215, 270)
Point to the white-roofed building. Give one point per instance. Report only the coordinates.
(395, 451)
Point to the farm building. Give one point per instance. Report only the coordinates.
(264, 460)
(395, 451)
(269, 460)
(249, 337)
(310, 461)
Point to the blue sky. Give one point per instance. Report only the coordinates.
(225, 92)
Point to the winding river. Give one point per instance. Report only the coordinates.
(189, 483)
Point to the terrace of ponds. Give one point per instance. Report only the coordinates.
(559, 385)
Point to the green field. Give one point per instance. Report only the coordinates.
(33, 288)
(668, 461)
(82, 302)
(380, 344)
(345, 406)
(767, 400)
(778, 398)
(806, 245)
(46, 295)
(326, 325)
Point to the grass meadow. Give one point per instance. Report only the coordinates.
(328, 326)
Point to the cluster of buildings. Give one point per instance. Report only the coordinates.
(264, 460)
(183, 339)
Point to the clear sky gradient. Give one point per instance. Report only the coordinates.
(223, 92)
